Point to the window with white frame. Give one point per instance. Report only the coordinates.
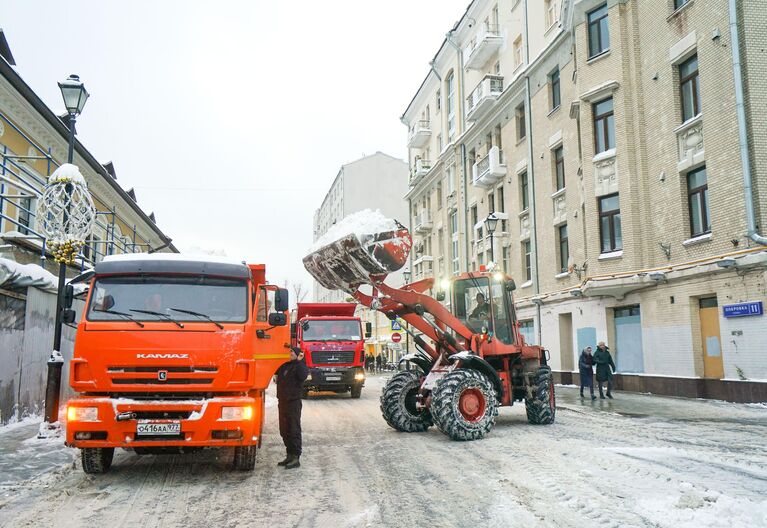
(450, 84)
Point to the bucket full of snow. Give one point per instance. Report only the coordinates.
(363, 247)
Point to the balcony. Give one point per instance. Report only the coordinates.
(482, 99)
(489, 170)
(421, 169)
(419, 135)
(483, 47)
(423, 223)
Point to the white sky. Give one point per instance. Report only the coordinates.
(264, 100)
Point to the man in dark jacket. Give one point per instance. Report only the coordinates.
(586, 368)
(290, 385)
(605, 368)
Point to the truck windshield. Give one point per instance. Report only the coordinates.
(153, 298)
(338, 330)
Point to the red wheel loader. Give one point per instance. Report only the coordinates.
(471, 359)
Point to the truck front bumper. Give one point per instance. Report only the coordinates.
(334, 378)
(117, 422)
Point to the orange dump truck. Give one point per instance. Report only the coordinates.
(173, 353)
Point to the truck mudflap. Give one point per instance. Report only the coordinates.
(131, 423)
(334, 378)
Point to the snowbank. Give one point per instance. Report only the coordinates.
(25, 275)
(365, 222)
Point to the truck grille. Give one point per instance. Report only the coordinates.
(174, 375)
(332, 358)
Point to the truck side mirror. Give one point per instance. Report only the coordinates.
(69, 295)
(68, 316)
(293, 330)
(277, 319)
(441, 295)
(368, 330)
(281, 300)
(511, 285)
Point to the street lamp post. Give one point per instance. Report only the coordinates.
(67, 214)
(406, 274)
(491, 222)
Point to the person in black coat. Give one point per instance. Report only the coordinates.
(605, 368)
(586, 369)
(290, 385)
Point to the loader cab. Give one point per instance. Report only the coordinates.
(482, 301)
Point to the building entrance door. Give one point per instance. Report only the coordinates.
(628, 353)
(566, 342)
(713, 366)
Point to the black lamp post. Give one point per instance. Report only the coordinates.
(491, 222)
(75, 95)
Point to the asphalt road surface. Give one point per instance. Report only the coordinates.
(634, 461)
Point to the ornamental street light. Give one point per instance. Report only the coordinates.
(67, 213)
(491, 222)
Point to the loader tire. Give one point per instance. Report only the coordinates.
(245, 457)
(97, 460)
(398, 400)
(464, 405)
(541, 407)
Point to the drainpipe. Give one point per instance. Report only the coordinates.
(531, 173)
(743, 140)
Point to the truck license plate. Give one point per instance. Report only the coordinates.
(333, 378)
(158, 428)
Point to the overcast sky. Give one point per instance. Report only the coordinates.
(232, 118)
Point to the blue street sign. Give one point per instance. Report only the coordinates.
(743, 309)
(395, 325)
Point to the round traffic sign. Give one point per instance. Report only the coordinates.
(396, 337)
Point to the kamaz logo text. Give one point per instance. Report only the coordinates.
(162, 356)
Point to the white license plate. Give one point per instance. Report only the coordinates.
(333, 378)
(158, 428)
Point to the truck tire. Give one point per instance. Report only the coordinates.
(398, 400)
(464, 405)
(97, 460)
(356, 391)
(245, 457)
(541, 408)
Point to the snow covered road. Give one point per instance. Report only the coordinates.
(634, 461)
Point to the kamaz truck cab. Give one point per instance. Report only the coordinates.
(173, 353)
(334, 347)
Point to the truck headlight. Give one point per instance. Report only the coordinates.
(359, 376)
(309, 377)
(237, 413)
(82, 414)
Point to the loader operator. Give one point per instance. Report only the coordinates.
(482, 310)
(290, 384)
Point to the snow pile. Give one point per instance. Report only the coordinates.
(359, 224)
(66, 173)
(18, 275)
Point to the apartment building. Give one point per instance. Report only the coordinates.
(605, 137)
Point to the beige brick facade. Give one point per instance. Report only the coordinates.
(654, 279)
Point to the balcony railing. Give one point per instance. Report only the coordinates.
(421, 169)
(483, 46)
(489, 170)
(419, 134)
(483, 97)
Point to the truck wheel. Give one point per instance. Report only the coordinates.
(97, 459)
(464, 405)
(398, 400)
(541, 408)
(245, 457)
(356, 391)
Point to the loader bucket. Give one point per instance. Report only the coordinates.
(350, 261)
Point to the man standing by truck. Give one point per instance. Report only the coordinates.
(290, 385)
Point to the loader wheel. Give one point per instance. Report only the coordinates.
(245, 457)
(356, 391)
(97, 460)
(398, 400)
(464, 405)
(541, 408)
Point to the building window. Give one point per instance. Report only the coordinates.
(526, 251)
(523, 191)
(599, 33)
(559, 167)
(610, 223)
(564, 248)
(454, 235)
(450, 83)
(527, 330)
(439, 142)
(551, 12)
(555, 83)
(679, 3)
(24, 217)
(521, 130)
(450, 177)
(604, 125)
(697, 193)
(474, 216)
(689, 88)
(439, 99)
(491, 203)
(439, 196)
(518, 57)
(506, 254)
(502, 207)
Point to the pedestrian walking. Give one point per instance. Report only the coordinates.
(378, 362)
(586, 368)
(290, 385)
(605, 368)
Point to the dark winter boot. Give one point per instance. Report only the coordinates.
(609, 395)
(581, 392)
(293, 463)
(601, 394)
(288, 458)
(592, 395)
